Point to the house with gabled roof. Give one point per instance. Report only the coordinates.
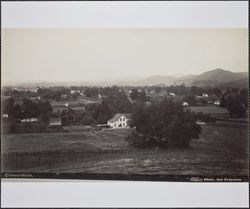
(120, 120)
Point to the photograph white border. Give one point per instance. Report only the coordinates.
(125, 14)
(81, 193)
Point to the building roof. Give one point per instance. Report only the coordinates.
(118, 115)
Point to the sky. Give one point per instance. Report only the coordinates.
(101, 54)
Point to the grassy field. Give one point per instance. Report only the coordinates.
(211, 109)
(221, 150)
(80, 101)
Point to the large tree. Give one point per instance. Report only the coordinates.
(236, 102)
(163, 124)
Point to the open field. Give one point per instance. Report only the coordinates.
(218, 112)
(79, 101)
(211, 109)
(221, 150)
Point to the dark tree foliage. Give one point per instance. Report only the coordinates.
(137, 94)
(201, 101)
(158, 89)
(163, 124)
(118, 103)
(235, 106)
(205, 117)
(91, 92)
(190, 99)
(75, 95)
(13, 110)
(8, 106)
(244, 96)
(44, 110)
(109, 91)
(236, 102)
(195, 90)
(215, 91)
(178, 89)
(17, 111)
(88, 119)
(30, 109)
(73, 117)
(53, 93)
(102, 112)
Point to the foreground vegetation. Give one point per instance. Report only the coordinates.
(221, 150)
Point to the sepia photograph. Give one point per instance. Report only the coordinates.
(165, 103)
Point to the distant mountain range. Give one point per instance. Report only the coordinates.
(209, 78)
(217, 77)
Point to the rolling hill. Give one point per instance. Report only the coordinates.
(209, 78)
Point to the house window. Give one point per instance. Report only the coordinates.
(120, 119)
(115, 125)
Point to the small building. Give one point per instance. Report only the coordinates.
(204, 95)
(185, 104)
(217, 102)
(172, 94)
(29, 120)
(55, 122)
(120, 120)
(199, 122)
(76, 92)
(5, 115)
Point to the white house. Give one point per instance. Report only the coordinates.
(172, 94)
(185, 104)
(120, 120)
(29, 120)
(204, 95)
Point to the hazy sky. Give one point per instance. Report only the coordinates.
(94, 54)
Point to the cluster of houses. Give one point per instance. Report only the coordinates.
(212, 100)
(119, 120)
